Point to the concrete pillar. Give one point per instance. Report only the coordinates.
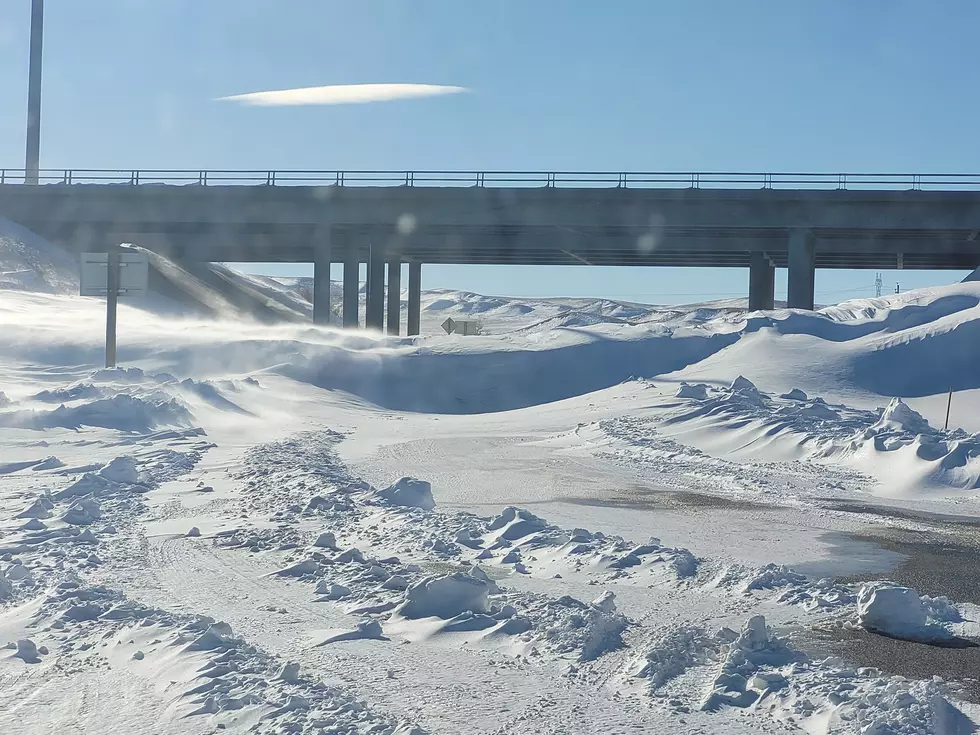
(375, 312)
(801, 270)
(352, 267)
(414, 298)
(394, 296)
(321, 277)
(33, 157)
(762, 282)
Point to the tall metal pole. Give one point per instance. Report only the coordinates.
(949, 405)
(33, 160)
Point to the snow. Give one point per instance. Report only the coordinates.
(900, 613)
(409, 492)
(595, 516)
(445, 597)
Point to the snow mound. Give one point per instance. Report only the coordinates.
(409, 492)
(515, 523)
(445, 597)
(568, 625)
(899, 612)
(741, 383)
(121, 470)
(897, 416)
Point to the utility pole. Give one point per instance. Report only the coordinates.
(32, 163)
(878, 285)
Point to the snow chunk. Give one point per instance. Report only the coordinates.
(897, 612)
(445, 597)
(364, 630)
(27, 650)
(409, 492)
(515, 523)
(742, 383)
(794, 395)
(606, 602)
(698, 392)
(571, 625)
(121, 470)
(326, 540)
(48, 463)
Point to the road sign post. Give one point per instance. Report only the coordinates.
(111, 299)
(114, 274)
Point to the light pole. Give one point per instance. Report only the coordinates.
(33, 160)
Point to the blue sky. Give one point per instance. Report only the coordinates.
(763, 85)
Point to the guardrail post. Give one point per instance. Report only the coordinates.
(68, 173)
(340, 179)
(622, 182)
(916, 182)
(3, 175)
(551, 180)
(480, 178)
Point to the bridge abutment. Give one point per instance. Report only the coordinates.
(762, 282)
(414, 298)
(802, 265)
(352, 267)
(394, 296)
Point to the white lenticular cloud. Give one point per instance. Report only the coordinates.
(342, 94)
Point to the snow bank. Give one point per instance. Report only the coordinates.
(121, 412)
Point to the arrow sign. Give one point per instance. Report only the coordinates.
(449, 325)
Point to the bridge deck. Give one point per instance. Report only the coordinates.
(484, 225)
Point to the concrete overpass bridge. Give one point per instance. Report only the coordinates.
(749, 220)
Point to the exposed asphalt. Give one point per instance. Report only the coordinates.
(941, 557)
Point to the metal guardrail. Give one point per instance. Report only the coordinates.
(551, 179)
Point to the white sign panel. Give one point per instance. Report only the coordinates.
(134, 273)
(456, 326)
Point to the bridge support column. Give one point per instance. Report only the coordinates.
(394, 296)
(762, 282)
(375, 311)
(352, 267)
(321, 278)
(799, 293)
(414, 298)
